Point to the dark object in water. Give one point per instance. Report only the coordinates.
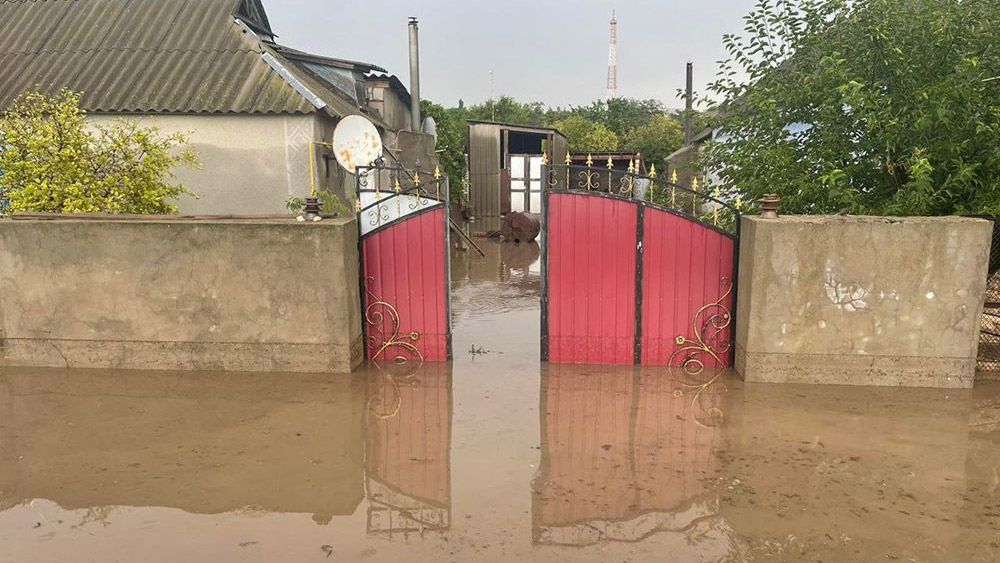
(520, 227)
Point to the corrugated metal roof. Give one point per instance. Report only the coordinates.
(143, 56)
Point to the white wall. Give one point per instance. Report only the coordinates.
(250, 163)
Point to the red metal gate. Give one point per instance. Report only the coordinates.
(636, 271)
(404, 264)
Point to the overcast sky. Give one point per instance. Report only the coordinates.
(553, 52)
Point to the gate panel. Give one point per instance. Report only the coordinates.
(591, 258)
(687, 293)
(405, 288)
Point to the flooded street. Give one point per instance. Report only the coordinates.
(492, 458)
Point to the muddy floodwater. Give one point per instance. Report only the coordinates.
(495, 457)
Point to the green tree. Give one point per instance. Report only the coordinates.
(871, 106)
(656, 139)
(451, 131)
(621, 115)
(509, 110)
(52, 162)
(586, 136)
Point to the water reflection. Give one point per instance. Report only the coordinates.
(506, 263)
(202, 443)
(625, 455)
(407, 450)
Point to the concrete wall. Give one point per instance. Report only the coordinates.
(861, 300)
(251, 164)
(172, 294)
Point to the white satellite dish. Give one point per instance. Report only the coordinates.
(356, 143)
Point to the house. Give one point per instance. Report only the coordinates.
(681, 163)
(212, 68)
(505, 166)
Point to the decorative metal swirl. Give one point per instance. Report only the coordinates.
(420, 198)
(588, 179)
(710, 323)
(626, 185)
(382, 339)
(551, 178)
(379, 212)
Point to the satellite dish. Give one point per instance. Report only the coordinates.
(430, 127)
(356, 142)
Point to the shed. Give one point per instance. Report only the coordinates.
(505, 166)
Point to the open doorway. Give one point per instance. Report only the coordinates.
(525, 183)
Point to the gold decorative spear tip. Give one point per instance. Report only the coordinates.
(437, 172)
(694, 184)
(631, 167)
(652, 171)
(545, 159)
(568, 160)
(590, 160)
(673, 177)
(611, 164)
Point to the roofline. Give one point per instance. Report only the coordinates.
(272, 54)
(515, 127)
(680, 151)
(303, 56)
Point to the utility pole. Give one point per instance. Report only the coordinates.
(689, 105)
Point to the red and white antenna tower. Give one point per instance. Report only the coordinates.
(613, 59)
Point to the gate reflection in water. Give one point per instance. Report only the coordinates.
(626, 454)
(408, 449)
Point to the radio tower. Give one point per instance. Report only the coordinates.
(613, 59)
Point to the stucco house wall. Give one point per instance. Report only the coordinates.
(250, 164)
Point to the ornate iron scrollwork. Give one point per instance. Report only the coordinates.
(382, 339)
(379, 338)
(710, 323)
(588, 179)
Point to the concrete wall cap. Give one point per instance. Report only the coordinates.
(863, 219)
(173, 220)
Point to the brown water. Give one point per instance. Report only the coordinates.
(493, 458)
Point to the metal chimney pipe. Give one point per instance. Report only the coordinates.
(689, 105)
(416, 122)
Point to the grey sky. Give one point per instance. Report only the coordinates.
(553, 52)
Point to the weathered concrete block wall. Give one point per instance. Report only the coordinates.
(861, 300)
(250, 295)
